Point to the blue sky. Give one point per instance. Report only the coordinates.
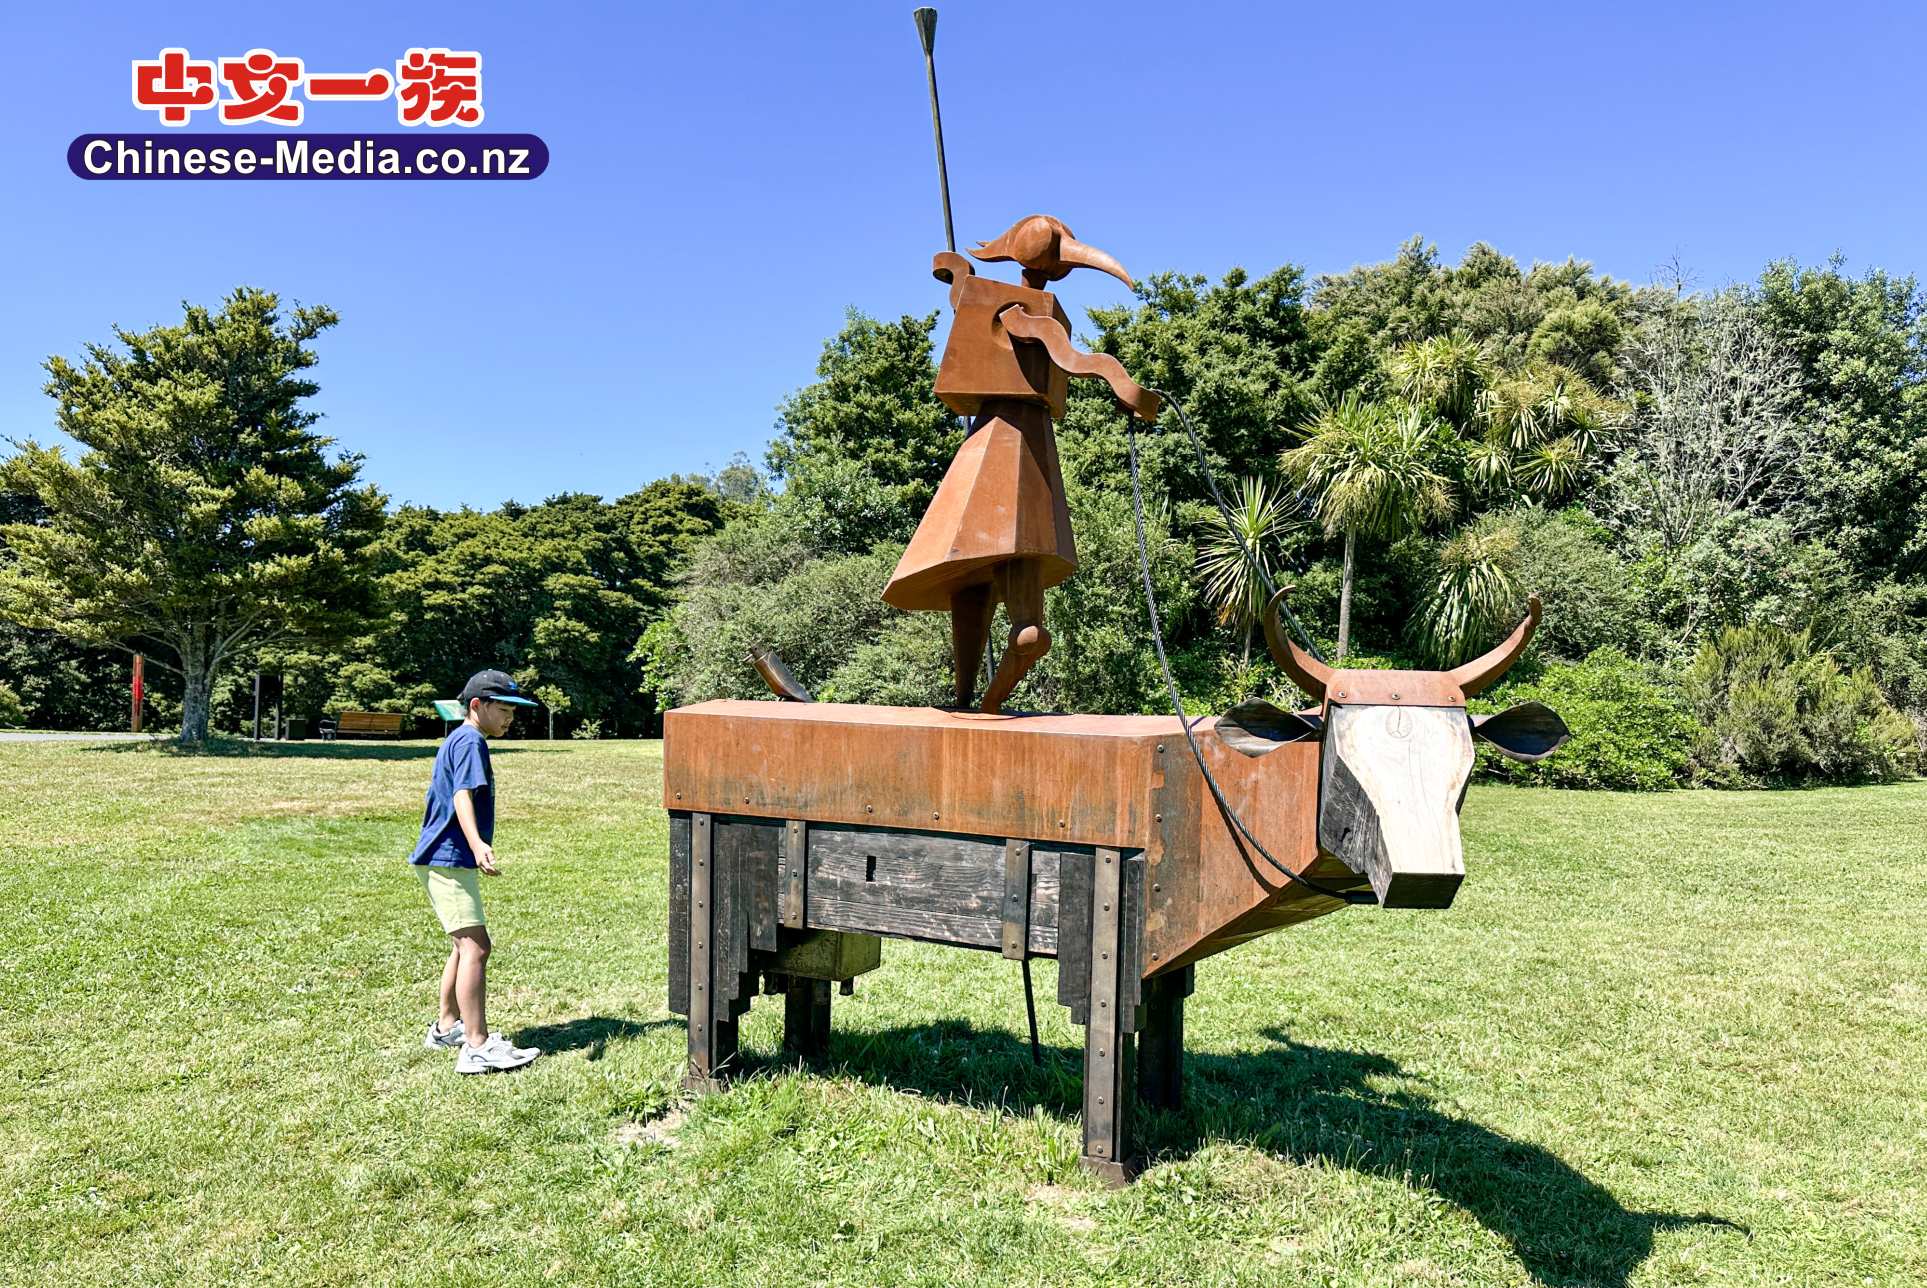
(727, 180)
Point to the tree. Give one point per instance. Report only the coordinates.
(1233, 554)
(205, 518)
(1860, 350)
(1374, 469)
(1717, 427)
(863, 449)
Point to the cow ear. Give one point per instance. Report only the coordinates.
(1255, 728)
(1530, 731)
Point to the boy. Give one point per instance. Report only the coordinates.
(457, 827)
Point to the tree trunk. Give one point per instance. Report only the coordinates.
(197, 684)
(1345, 599)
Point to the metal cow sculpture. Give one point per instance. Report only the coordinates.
(801, 833)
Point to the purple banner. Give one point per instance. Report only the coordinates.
(308, 156)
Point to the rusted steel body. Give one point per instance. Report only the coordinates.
(1126, 782)
(998, 530)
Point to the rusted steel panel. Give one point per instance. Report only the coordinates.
(1084, 779)
(1016, 899)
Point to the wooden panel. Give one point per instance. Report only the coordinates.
(1074, 935)
(679, 913)
(921, 885)
(1130, 940)
(1044, 896)
(760, 872)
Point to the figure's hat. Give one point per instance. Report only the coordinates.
(1048, 251)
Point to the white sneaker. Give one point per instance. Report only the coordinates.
(439, 1039)
(493, 1055)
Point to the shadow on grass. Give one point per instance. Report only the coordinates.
(1306, 1103)
(594, 1032)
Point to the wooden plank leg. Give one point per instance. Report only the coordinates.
(806, 1016)
(1109, 1050)
(712, 1042)
(1160, 1053)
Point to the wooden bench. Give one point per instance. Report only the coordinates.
(369, 724)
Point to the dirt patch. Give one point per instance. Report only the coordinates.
(657, 1131)
(1060, 1201)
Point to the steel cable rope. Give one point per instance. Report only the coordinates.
(1164, 663)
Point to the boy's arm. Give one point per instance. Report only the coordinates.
(465, 815)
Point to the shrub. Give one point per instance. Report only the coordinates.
(1629, 730)
(12, 713)
(1773, 709)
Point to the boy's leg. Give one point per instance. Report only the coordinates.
(451, 1009)
(471, 981)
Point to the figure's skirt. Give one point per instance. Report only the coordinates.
(1002, 498)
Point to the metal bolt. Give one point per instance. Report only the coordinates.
(1104, 957)
(869, 809)
(1060, 822)
(1155, 887)
(1160, 748)
(745, 800)
(678, 795)
(1154, 956)
(934, 816)
(1395, 697)
(1107, 907)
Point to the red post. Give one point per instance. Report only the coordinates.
(140, 688)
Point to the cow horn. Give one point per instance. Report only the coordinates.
(1481, 673)
(1306, 671)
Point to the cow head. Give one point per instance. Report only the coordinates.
(1395, 757)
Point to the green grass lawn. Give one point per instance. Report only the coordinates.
(1671, 1039)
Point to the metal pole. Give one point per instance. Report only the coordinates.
(140, 688)
(926, 20)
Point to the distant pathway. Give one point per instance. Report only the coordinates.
(80, 737)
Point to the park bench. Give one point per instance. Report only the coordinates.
(368, 724)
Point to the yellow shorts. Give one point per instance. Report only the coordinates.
(455, 894)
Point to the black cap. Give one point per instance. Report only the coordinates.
(496, 686)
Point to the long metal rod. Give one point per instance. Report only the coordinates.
(926, 20)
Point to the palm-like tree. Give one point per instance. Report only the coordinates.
(1443, 372)
(1374, 470)
(1473, 596)
(1542, 424)
(1233, 584)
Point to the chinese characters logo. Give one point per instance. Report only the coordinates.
(432, 87)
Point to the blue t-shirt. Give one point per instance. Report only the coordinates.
(462, 762)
